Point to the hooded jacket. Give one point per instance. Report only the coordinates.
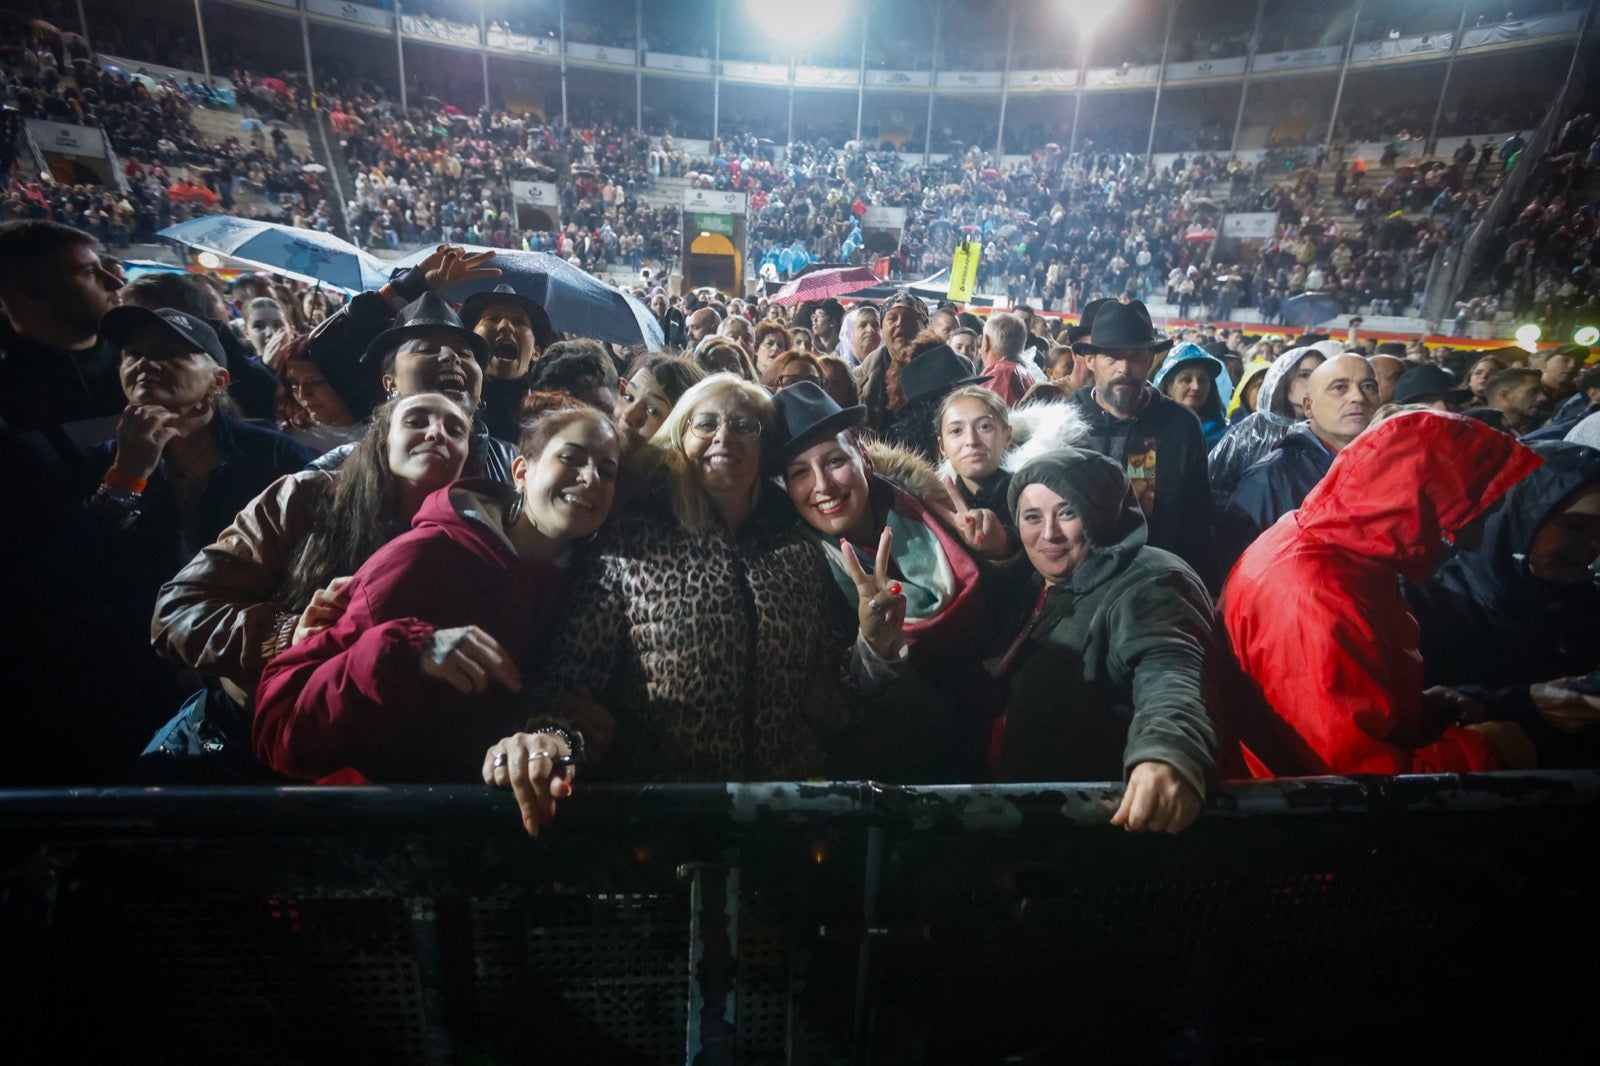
(1213, 419)
(354, 696)
(1331, 669)
(1236, 411)
(1247, 441)
(1485, 619)
(1105, 669)
(1270, 489)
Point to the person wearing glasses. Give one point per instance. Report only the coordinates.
(705, 640)
(792, 367)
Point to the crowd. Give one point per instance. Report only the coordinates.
(453, 543)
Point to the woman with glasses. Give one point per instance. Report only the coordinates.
(705, 642)
(792, 367)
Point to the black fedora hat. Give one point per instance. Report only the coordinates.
(1121, 325)
(934, 373)
(805, 415)
(1421, 384)
(1085, 319)
(426, 314)
(543, 331)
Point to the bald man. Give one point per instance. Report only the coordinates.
(1388, 369)
(702, 324)
(1338, 405)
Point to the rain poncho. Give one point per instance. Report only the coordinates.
(1212, 421)
(1259, 434)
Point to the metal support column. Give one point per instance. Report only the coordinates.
(1005, 83)
(638, 67)
(205, 52)
(861, 82)
(716, 68)
(789, 136)
(561, 42)
(1344, 69)
(1161, 80)
(305, 43)
(483, 51)
(933, 82)
(1431, 144)
(1244, 88)
(400, 56)
(83, 25)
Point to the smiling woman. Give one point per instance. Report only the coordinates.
(423, 669)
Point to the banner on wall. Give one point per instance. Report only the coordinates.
(438, 30)
(1141, 75)
(687, 64)
(1307, 57)
(1025, 79)
(599, 53)
(1522, 29)
(342, 9)
(516, 42)
(1250, 225)
(65, 139)
(768, 73)
(711, 201)
(1206, 68)
(969, 79)
(827, 77)
(1402, 46)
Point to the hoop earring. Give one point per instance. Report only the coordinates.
(514, 512)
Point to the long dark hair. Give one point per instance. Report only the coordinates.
(358, 517)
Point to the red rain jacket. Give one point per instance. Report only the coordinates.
(1329, 650)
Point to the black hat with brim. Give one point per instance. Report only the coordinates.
(121, 323)
(428, 313)
(805, 415)
(934, 373)
(543, 332)
(1119, 326)
(1421, 384)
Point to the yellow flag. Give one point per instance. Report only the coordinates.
(964, 271)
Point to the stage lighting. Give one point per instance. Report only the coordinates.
(1528, 337)
(209, 260)
(1089, 14)
(1586, 336)
(793, 22)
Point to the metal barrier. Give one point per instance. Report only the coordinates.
(1323, 920)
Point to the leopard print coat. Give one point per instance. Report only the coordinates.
(719, 656)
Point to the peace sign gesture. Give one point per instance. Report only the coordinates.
(448, 266)
(979, 528)
(880, 605)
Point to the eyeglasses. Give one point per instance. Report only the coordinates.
(783, 381)
(705, 426)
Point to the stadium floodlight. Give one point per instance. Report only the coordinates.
(1090, 15)
(1528, 337)
(1586, 336)
(209, 260)
(794, 22)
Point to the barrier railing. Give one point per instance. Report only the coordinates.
(1323, 919)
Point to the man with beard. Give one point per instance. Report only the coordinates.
(518, 331)
(878, 376)
(1144, 431)
(1520, 396)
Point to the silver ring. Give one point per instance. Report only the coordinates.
(874, 604)
(499, 760)
(540, 755)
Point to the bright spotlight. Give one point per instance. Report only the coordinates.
(209, 260)
(1090, 15)
(794, 22)
(1528, 337)
(1586, 336)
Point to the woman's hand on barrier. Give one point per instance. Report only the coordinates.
(528, 764)
(143, 432)
(1157, 800)
(326, 607)
(880, 605)
(978, 527)
(1565, 708)
(470, 660)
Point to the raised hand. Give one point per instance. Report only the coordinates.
(143, 433)
(470, 660)
(880, 605)
(449, 266)
(979, 528)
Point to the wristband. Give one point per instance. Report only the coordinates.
(117, 478)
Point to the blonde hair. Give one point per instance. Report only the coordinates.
(664, 454)
(990, 399)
